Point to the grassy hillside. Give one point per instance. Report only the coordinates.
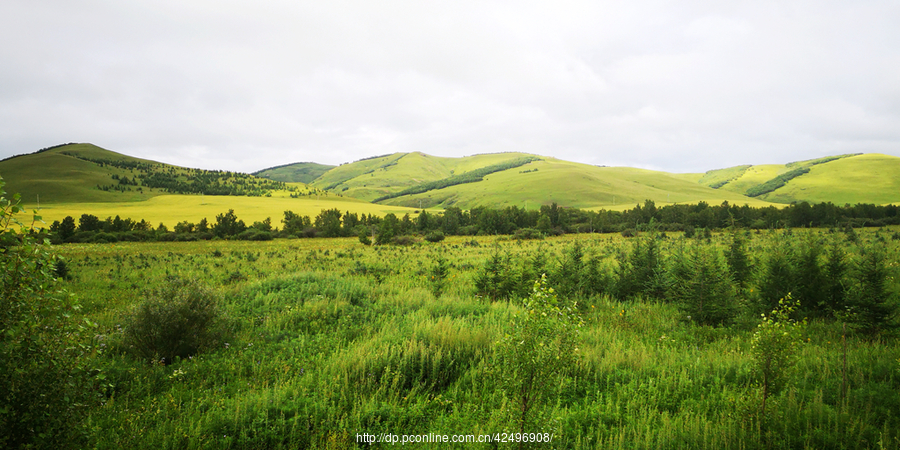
(376, 177)
(850, 178)
(868, 178)
(304, 172)
(56, 175)
(87, 173)
(575, 185)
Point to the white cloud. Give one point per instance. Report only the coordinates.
(689, 85)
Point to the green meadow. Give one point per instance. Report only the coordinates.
(324, 340)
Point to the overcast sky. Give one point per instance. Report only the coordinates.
(682, 85)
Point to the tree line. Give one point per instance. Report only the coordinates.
(548, 220)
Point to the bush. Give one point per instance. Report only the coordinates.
(434, 236)
(177, 321)
(524, 234)
(45, 381)
(403, 240)
(538, 346)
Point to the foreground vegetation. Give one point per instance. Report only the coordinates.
(306, 343)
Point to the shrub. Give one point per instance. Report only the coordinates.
(403, 240)
(177, 321)
(44, 363)
(434, 236)
(524, 234)
(774, 347)
(538, 346)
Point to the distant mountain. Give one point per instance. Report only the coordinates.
(303, 172)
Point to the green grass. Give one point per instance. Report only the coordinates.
(331, 338)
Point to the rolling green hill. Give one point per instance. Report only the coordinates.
(74, 175)
(851, 178)
(304, 172)
(376, 177)
(575, 185)
(87, 173)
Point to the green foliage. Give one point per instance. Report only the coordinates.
(437, 276)
(640, 271)
(328, 223)
(176, 321)
(776, 182)
(873, 305)
(738, 259)
(701, 286)
(777, 278)
(498, 278)
(435, 236)
(228, 225)
(536, 350)
(45, 384)
(387, 230)
(774, 347)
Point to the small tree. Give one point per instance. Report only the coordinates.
(873, 308)
(701, 285)
(774, 347)
(539, 345)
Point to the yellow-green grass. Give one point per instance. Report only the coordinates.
(171, 209)
(373, 178)
(868, 178)
(573, 185)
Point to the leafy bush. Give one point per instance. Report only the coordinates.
(774, 347)
(45, 379)
(435, 236)
(524, 234)
(539, 345)
(177, 321)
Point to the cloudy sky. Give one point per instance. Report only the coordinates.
(686, 85)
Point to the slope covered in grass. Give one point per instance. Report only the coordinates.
(573, 185)
(868, 178)
(377, 177)
(77, 173)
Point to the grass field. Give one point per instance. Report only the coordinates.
(171, 209)
(330, 339)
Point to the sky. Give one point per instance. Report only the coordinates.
(681, 86)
